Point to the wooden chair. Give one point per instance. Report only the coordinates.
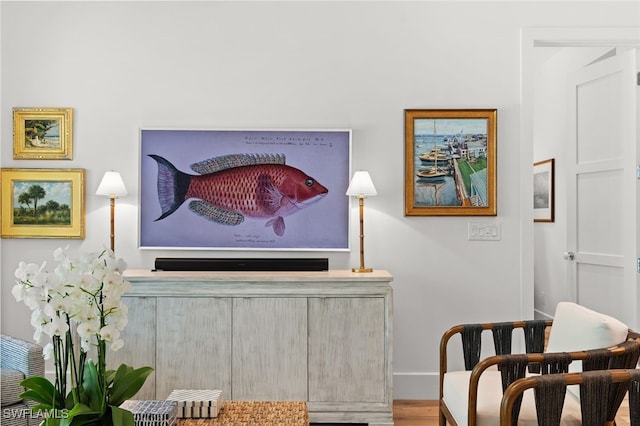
(584, 339)
(601, 394)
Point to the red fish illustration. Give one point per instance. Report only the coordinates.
(228, 188)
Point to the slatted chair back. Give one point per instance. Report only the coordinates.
(502, 332)
(534, 334)
(601, 392)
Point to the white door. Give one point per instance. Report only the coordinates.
(602, 192)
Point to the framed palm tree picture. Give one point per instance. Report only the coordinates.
(43, 203)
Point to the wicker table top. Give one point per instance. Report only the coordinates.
(256, 413)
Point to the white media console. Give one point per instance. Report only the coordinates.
(320, 337)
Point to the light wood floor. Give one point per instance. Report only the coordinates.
(415, 413)
(425, 413)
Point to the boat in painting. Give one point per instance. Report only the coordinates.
(432, 173)
(430, 170)
(436, 154)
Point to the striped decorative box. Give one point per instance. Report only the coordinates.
(197, 403)
(152, 412)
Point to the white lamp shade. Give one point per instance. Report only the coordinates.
(112, 185)
(361, 185)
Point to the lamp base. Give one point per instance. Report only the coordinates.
(361, 270)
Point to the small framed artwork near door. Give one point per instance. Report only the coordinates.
(543, 191)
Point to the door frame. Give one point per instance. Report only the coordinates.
(532, 38)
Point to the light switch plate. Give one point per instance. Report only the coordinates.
(479, 231)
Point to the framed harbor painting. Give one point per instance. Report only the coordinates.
(450, 162)
(42, 133)
(244, 189)
(43, 203)
(544, 191)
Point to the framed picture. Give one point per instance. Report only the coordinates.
(244, 189)
(43, 203)
(42, 133)
(544, 191)
(450, 162)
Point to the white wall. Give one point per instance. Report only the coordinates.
(358, 65)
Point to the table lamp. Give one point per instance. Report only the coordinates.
(113, 187)
(361, 186)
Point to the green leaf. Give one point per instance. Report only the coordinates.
(81, 409)
(41, 390)
(42, 407)
(122, 371)
(40, 385)
(69, 401)
(51, 421)
(92, 393)
(121, 417)
(127, 385)
(110, 376)
(31, 395)
(80, 415)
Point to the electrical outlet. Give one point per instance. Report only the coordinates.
(484, 231)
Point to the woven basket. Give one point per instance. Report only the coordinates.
(256, 413)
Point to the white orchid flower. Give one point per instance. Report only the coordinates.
(19, 292)
(47, 350)
(70, 302)
(117, 344)
(56, 327)
(109, 333)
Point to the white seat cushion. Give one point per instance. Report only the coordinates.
(456, 395)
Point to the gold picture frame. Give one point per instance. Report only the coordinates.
(43, 203)
(42, 133)
(450, 162)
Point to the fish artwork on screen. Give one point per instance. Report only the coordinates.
(244, 189)
(229, 188)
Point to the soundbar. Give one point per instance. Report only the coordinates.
(240, 264)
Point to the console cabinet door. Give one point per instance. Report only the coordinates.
(139, 338)
(347, 350)
(270, 348)
(193, 348)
